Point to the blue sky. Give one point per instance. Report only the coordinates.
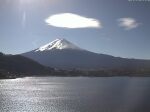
(124, 28)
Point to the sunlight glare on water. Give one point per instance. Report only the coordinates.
(75, 94)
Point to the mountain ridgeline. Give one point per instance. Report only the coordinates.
(12, 66)
(63, 54)
(62, 58)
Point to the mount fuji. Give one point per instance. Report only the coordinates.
(63, 54)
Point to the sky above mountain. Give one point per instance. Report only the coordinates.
(116, 27)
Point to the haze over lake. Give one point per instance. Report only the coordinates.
(75, 94)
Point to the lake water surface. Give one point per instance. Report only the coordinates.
(75, 94)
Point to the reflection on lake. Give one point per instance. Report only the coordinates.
(75, 94)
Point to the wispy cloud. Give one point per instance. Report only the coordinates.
(23, 19)
(69, 20)
(128, 23)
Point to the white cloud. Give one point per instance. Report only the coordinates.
(128, 23)
(69, 20)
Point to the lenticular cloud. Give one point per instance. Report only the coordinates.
(128, 23)
(69, 20)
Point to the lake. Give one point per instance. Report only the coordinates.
(75, 94)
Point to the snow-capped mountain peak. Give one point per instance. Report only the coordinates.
(58, 44)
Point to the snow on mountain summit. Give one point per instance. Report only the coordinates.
(58, 44)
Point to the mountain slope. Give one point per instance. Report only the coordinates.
(11, 65)
(59, 54)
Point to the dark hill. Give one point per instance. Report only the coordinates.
(16, 66)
